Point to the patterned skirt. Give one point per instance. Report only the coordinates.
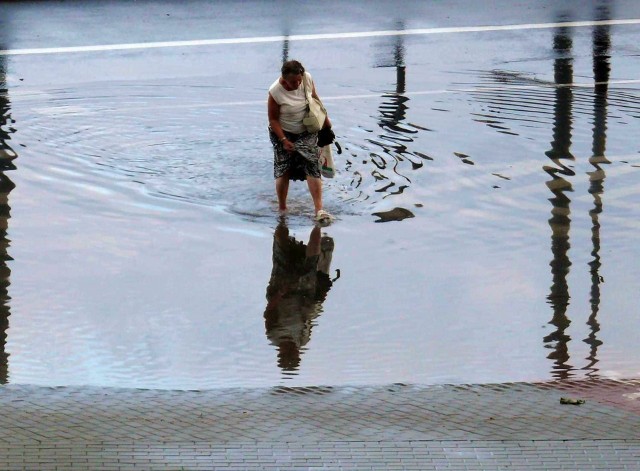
(301, 163)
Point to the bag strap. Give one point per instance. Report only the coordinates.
(307, 95)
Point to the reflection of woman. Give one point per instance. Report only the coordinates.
(298, 286)
(295, 150)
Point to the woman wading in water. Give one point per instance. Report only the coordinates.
(295, 150)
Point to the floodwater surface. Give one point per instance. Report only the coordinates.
(487, 224)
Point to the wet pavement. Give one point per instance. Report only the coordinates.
(142, 259)
(406, 427)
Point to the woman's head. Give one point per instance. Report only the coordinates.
(292, 72)
(292, 68)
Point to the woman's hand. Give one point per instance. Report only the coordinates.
(288, 145)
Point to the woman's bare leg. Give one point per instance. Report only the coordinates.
(315, 188)
(282, 190)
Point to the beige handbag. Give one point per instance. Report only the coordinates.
(316, 112)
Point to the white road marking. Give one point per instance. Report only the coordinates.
(316, 37)
(27, 96)
(486, 89)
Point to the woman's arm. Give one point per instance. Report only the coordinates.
(273, 111)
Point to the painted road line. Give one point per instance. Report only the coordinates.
(316, 37)
(485, 89)
(29, 96)
(25, 94)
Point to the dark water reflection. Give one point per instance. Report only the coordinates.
(506, 110)
(299, 283)
(387, 158)
(7, 155)
(559, 297)
(6, 185)
(560, 222)
(601, 73)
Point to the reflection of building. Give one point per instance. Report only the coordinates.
(6, 185)
(298, 286)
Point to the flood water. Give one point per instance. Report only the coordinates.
(141, 245)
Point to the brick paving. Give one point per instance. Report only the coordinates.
(518, 426)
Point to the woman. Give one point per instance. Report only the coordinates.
(295, 150)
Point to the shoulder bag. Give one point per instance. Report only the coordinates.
(316, 112)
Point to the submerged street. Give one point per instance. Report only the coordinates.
(140, 223)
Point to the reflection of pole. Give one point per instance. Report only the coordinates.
(401, 77)
(601, 70)
(394, 110)
(7, 154)
(285, 16)
(6, 185)
(560, 221)
(394, 140)
(285, 51)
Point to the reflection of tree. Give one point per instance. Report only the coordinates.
(601, 70)
(560, 221)
(298, 286)
(6, 185)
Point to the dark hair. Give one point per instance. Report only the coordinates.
(292, 68)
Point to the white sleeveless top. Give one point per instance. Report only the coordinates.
(293, 105)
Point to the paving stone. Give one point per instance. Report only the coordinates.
(471, 427)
